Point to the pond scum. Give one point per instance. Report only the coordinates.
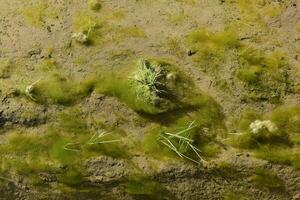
(189, 124)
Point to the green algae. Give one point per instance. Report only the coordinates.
(39, 14)
(146, 90)
(143, 187)
(91, 26)
(210, 48)
(56, 89)
(267, 179)
(6, 67)
(264, 74)
(234, 195)
(73, 122)
(279, 146)
(94, 5)
(131, 32)
(280, 155)
(154, 142)
(59, 150)
(250, 75)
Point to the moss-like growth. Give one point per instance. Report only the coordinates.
(210, 47)
(94, 5)
(286, 118)
(280, 155)
(234, 195)
(88, 29)
(58, 90)
(156, 87)
(143, 187)
(262, 73)
(279, 145)
(152, 86)
(71, 177)
(181, 139)
(60, 151)
(177, 18)
(250, 75)
(6, 66)
(38, 15)
(47, 64)
(174, 46)
(73, 122)
(266, 178)
(131, 32)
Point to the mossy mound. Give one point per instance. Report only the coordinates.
(152, 87)
(58, 90)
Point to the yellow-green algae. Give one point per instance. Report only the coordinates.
(280, 146)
